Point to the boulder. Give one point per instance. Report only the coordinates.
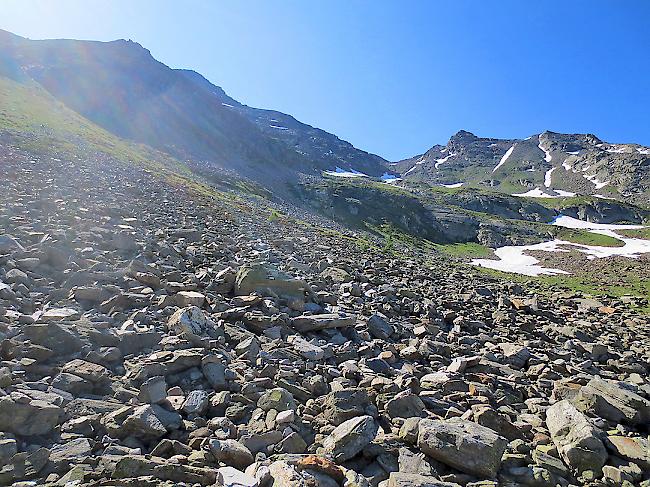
(267, 280)
(344, 404)
(231, 452)
(278, 399)
(398, 479)
(379, 327)
(405, 405)
(614, 401)
(350, 438)
(22, 416)
(576, 439)
(463, 445)
(308, 323)
(190, 322)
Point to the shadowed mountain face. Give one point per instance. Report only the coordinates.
(544, 163)
(122, 88)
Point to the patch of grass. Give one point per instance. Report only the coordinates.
(468, 249)
(587, 283)
(643, 233)
(584, 237)
(275, 215)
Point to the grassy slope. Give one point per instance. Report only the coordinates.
(43, 123)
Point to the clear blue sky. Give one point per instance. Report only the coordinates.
(393, 77)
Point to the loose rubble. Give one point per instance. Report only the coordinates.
(152, 335)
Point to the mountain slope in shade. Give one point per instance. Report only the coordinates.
(121, 87)
(543, 165)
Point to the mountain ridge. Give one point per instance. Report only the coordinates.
(120, 86)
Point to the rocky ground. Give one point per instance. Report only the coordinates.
(154, 335)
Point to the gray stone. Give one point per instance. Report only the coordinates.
(26, 417)
(231, 452)
(379, 327)
(153, 391)
(278, 399)
(405, 405)
(611, 400)
(575, 437)
(464, 445)
(269, 281)
(399, 479)
(196, 402)
(349, 438)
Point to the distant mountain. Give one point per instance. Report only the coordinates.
(543, 165)
(122, 88)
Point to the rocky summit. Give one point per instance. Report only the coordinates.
(157, 329)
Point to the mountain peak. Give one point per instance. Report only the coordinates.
(462, 136)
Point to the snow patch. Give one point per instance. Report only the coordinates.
(547, 154)
(342, 173)
(504, 158)
(278, 127)
(548, 177)
(227, 105)
(570, 222)
(443, 160)
(455, 185)
(592, 178)
(645, 152)
(390, 178)
(538, 193)
(513, 258)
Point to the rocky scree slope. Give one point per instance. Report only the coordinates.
(154, 333)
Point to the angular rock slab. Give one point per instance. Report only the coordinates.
(575, 437)
(29, 417)
(610, 400)
(307, 323)
(350, 438)
(463, 445)
(266, 279)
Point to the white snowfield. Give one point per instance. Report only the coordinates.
(454, 185)
(548, 177)
(441, 161)
(592, 178)
(342, 173)
(513, 258)
(390, 178)
(547, 154)
(538, 193)
(504, 158)
(645, 152)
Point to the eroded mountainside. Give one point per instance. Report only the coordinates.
(122, 88)
(547, 165)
